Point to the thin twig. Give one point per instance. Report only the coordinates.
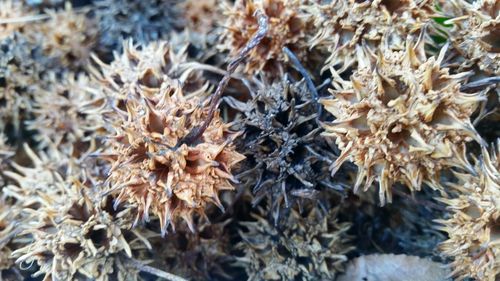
(479, 84)
(154, 271)
(296, 63)
(196, 132)
(24, 19)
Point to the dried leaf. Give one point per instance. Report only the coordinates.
(390, 267)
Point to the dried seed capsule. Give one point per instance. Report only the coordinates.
(21, 68)
(142, 21)
(473, 227)
(287, 28)
(150, 166)
(285, 159)
(67, 37)
(475, 32)
(202, 255)
(77, 238)
(67, 115)
(309, 246)
(401, 118)
(343, 24)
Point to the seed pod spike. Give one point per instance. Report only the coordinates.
(296, 63)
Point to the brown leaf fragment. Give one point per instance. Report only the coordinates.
(390, 267)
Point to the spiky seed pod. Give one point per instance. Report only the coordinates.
(68, 114)
(44, 176)
(20, 74)
(202, 29)
(286, 29)
(401, 118)
(281, 145)
(140, 71)
(66, 37)
(473, 227)
(202, 255)
(200, 16)
(343, 24)
(150, 168)
(139, 20)
(75, 238)
(310, 246)
(11, 10)
(475, 32)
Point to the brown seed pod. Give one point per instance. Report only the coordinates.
(66, 37)
(76, 238)
(67, 115)
(152, 171)
(20, 77)
(343, 24)
(200, 16)
(201, 29)
(45, 176)
(401, 118)
(13, 12)
(473, 227)
(141, 21)
(202, 255)
(150, 166)
(287, 28)
(309, 246)
(475, 32)
(140, 71)
(284, 157)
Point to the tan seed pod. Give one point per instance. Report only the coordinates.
(151, 168)
(38, 184)
(343, 24)
(141, 69)
(76, 238)
(309, 246)
(473, 227)
(202, 255)
(475, 32)
(21, 68)
(67, 115)
(201, 16)
(401, 118)
(66, 36)
(287, 28)
(13, 12)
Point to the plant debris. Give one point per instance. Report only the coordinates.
(231, 139)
